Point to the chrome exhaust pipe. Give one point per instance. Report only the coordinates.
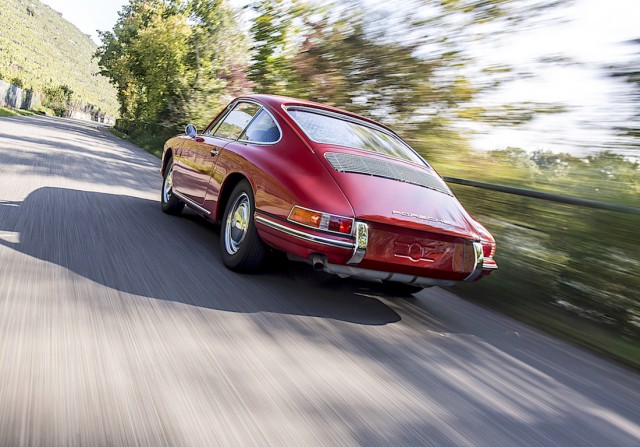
(317, 262)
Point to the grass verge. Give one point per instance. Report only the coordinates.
(14, 112)
(149, 143)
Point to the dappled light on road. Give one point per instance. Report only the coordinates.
(120, 326)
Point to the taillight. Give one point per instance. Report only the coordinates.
(321, 221)
(488, 249)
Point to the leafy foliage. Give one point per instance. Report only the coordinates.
(150, 136)
(58, 99)
(174, 61)
(417, 75)
(630, 73)
(39, 48)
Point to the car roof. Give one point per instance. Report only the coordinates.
(277, 102)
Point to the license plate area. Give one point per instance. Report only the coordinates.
(420, 249)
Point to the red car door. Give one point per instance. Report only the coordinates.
(197, 161)
(260, 134)
(198, 154)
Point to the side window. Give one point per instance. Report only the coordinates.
(262, 130)
(235, 122)
(211, 127)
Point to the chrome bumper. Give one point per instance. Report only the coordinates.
(305, 235)
(359, 249)
(345, 271)
(359, 246)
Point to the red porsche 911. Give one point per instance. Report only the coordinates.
(327, 187)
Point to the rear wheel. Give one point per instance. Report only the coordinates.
(170, 203)
(241, 247)
(399, 289)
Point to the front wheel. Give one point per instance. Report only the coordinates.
(170, 203)
(241, 247)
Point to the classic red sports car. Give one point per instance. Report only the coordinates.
(325, 186)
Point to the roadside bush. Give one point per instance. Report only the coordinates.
(58, 99)
(17, 82)
(150, 136)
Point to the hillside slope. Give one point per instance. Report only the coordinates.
(41, 48)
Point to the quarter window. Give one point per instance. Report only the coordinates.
(262, 129)
(235, 122)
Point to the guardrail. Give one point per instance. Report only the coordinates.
(567, 264)
(545, 196)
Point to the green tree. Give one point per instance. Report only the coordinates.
(630, 73)
(271, 68)
(218, 59)
(172, 61)
(416, 75)
(58, 99)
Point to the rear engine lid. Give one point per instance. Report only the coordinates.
(381, 189)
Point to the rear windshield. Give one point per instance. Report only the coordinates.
(329, 129)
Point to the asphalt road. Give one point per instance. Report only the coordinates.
(119, 325)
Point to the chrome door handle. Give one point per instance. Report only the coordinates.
(214, 152)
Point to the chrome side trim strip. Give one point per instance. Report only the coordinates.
(190, 202)
(304, 235)
(362, 239)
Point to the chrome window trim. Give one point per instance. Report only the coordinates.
(353, 120)
(304, 235)
(208, 131)
(261, 143)
(231, 107)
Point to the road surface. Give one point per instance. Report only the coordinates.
(119, 325)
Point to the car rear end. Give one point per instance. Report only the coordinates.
(408, 225)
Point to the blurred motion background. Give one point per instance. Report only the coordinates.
(542, 95)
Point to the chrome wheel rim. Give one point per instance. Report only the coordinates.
(168, 185)
(237, 224)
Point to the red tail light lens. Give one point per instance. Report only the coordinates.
(321, 221)
(340, 224)
(488, 249)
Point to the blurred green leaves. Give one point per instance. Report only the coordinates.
(174, 61)
(412, 66)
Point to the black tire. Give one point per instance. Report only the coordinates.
(399, 289)
(170, 203)
(241, 248)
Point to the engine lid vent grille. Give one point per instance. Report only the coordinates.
(358, 164)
